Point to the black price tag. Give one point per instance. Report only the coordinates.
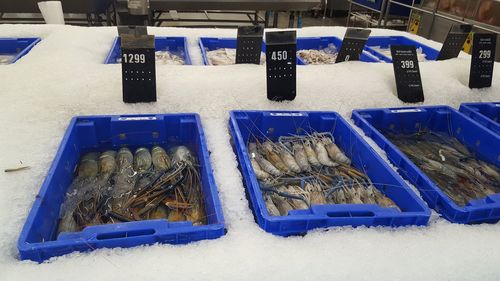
(138, 66)
(454, 41)
(353, 44)
(483, 60)
(249, 44)
(407, 73)
(281, 64)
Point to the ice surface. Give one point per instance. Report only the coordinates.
(64, 76)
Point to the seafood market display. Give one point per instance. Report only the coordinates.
(387, 52)
(327, 55)
(124, 186)
(226, 56)
(299, 171)
(6, 59)
(450, 165)
(165, 57)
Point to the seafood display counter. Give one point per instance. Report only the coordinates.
(346, 176)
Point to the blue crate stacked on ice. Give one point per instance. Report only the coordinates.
(380, 46)
(222, 51)
(486, 114)
(324, 50)
(451, 159)
(164, 193)
(341, 182)
(168, 50)
(12, 49)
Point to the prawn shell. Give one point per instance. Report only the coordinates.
(301, 157)
(289, 161)
(161, 160)
(142, 159)
(323, 158)
(311, 155)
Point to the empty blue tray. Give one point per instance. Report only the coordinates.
(17, 47)
(385, 42)
(485, 113)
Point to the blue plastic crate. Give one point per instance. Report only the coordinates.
(39, 240)
(211, 43)
(395, 10)
(385, 42)
(177, 45)
(443, 119)
(317, 43)
(17, 47)
(486, 114)
(245, 124)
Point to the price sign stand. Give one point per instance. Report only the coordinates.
(281, 64)
(138, 65)
(483, 60)
(249, 44)
(407, 73)
(454, 41)
(353, 44)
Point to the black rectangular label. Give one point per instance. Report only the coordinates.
(454, 41)
(483, 60)
(353, 44)
(138, 75)
(249, 44)
(281, 64)
(407, 73)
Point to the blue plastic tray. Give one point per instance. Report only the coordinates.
(387, 41)
(39, 241)
(17, 47)
(395, 10)
(317, 43)
(172, 44)
(443, 119)
(244, 124)
(486, 114)
(211, 43)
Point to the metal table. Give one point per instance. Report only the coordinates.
(247, 6)
(91, 8)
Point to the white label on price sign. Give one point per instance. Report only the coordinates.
(286, 114)
(406, 110)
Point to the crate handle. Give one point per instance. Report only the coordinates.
(286, 114)
(406, 110)
(350, 214)
(141, 117)
(125, 234)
